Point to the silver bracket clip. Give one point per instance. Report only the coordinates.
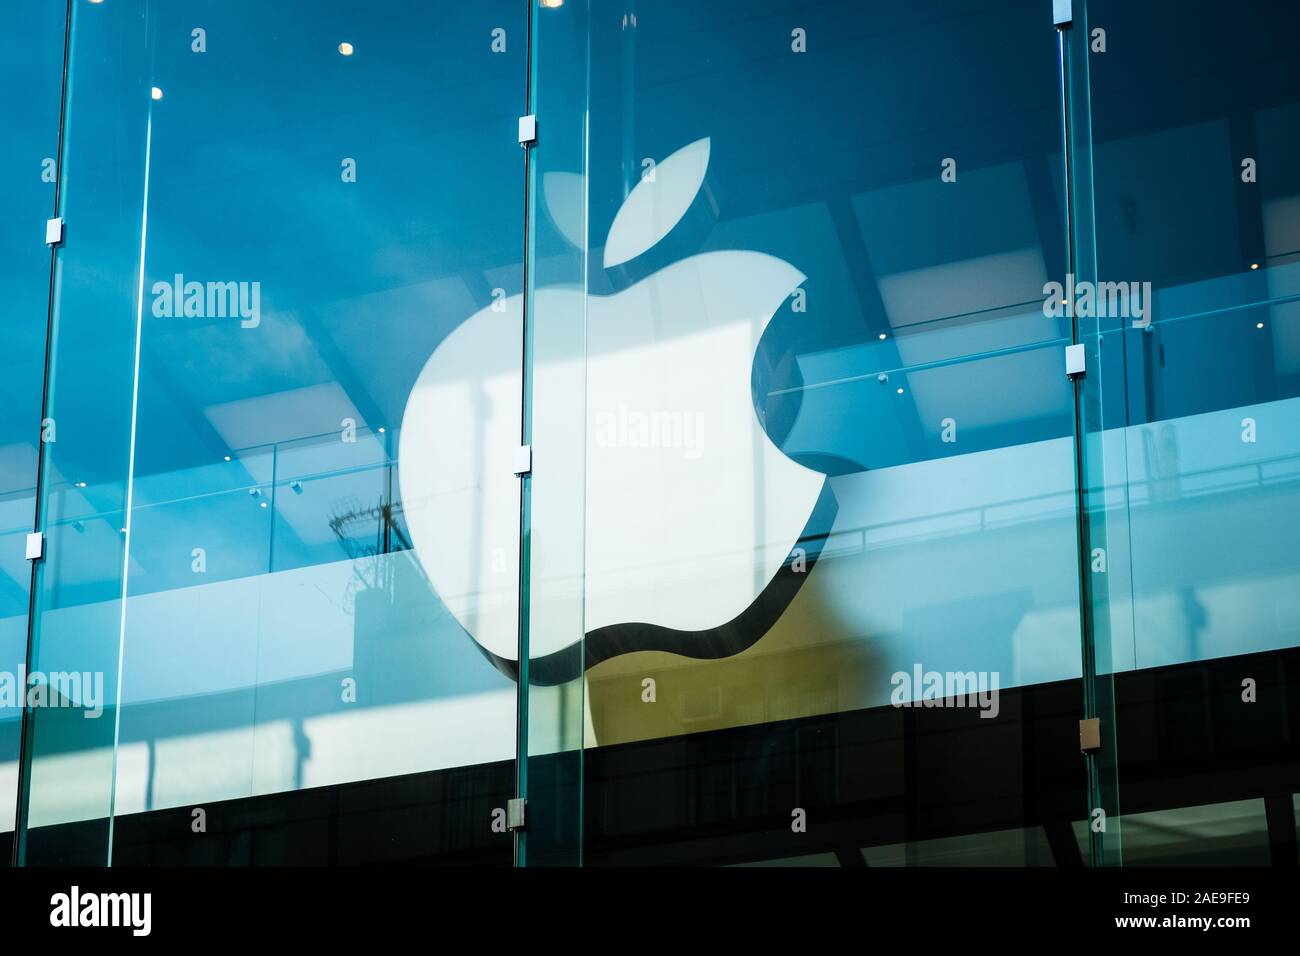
(1090, 735)
(527, 130)
(54, 231)
(1076, 362)
(35, 545)
(523, 460)
(515, 813)
(1062, 13)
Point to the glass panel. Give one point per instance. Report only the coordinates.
(1102, 532)
(829, 446)
(329, 213)
(1225, 834)
(777, 300)
(555, 710)
(76, 623)
(1195, 128)
(31, 89)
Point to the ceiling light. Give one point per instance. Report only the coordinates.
(345, 48)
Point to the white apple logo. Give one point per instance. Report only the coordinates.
(685, 527)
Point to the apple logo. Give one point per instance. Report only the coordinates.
(697, 529)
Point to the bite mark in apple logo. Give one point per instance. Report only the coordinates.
(696, 554)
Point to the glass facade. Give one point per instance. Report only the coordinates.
(710, 480)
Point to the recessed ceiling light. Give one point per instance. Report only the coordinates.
(81, 484)
(900, 391)
(381, 429)
(1259, 325)
(882, 336)
(1254, 265)
(227, 458)
(552, 4)
(156, 93)
(345, 48)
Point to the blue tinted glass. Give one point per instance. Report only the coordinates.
(76, 626)
(829, 438)
(875, 276)
(556, 706)
(304, 202)
(31, 83)
(1190, 419)
(1197, 193)
(301, 268)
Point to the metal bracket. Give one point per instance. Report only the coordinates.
(54, 231)
(527, 130)
(515, 813)
(1076, 362)
(524, 460)
(1090, 735)
(35, 545)
(1062, 13)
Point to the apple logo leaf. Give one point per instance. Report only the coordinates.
(657, 203)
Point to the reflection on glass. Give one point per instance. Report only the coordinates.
(1192, 420)
(31, 60)
(828, 433)
(308, 227)
(828, 438)
(800, 437)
